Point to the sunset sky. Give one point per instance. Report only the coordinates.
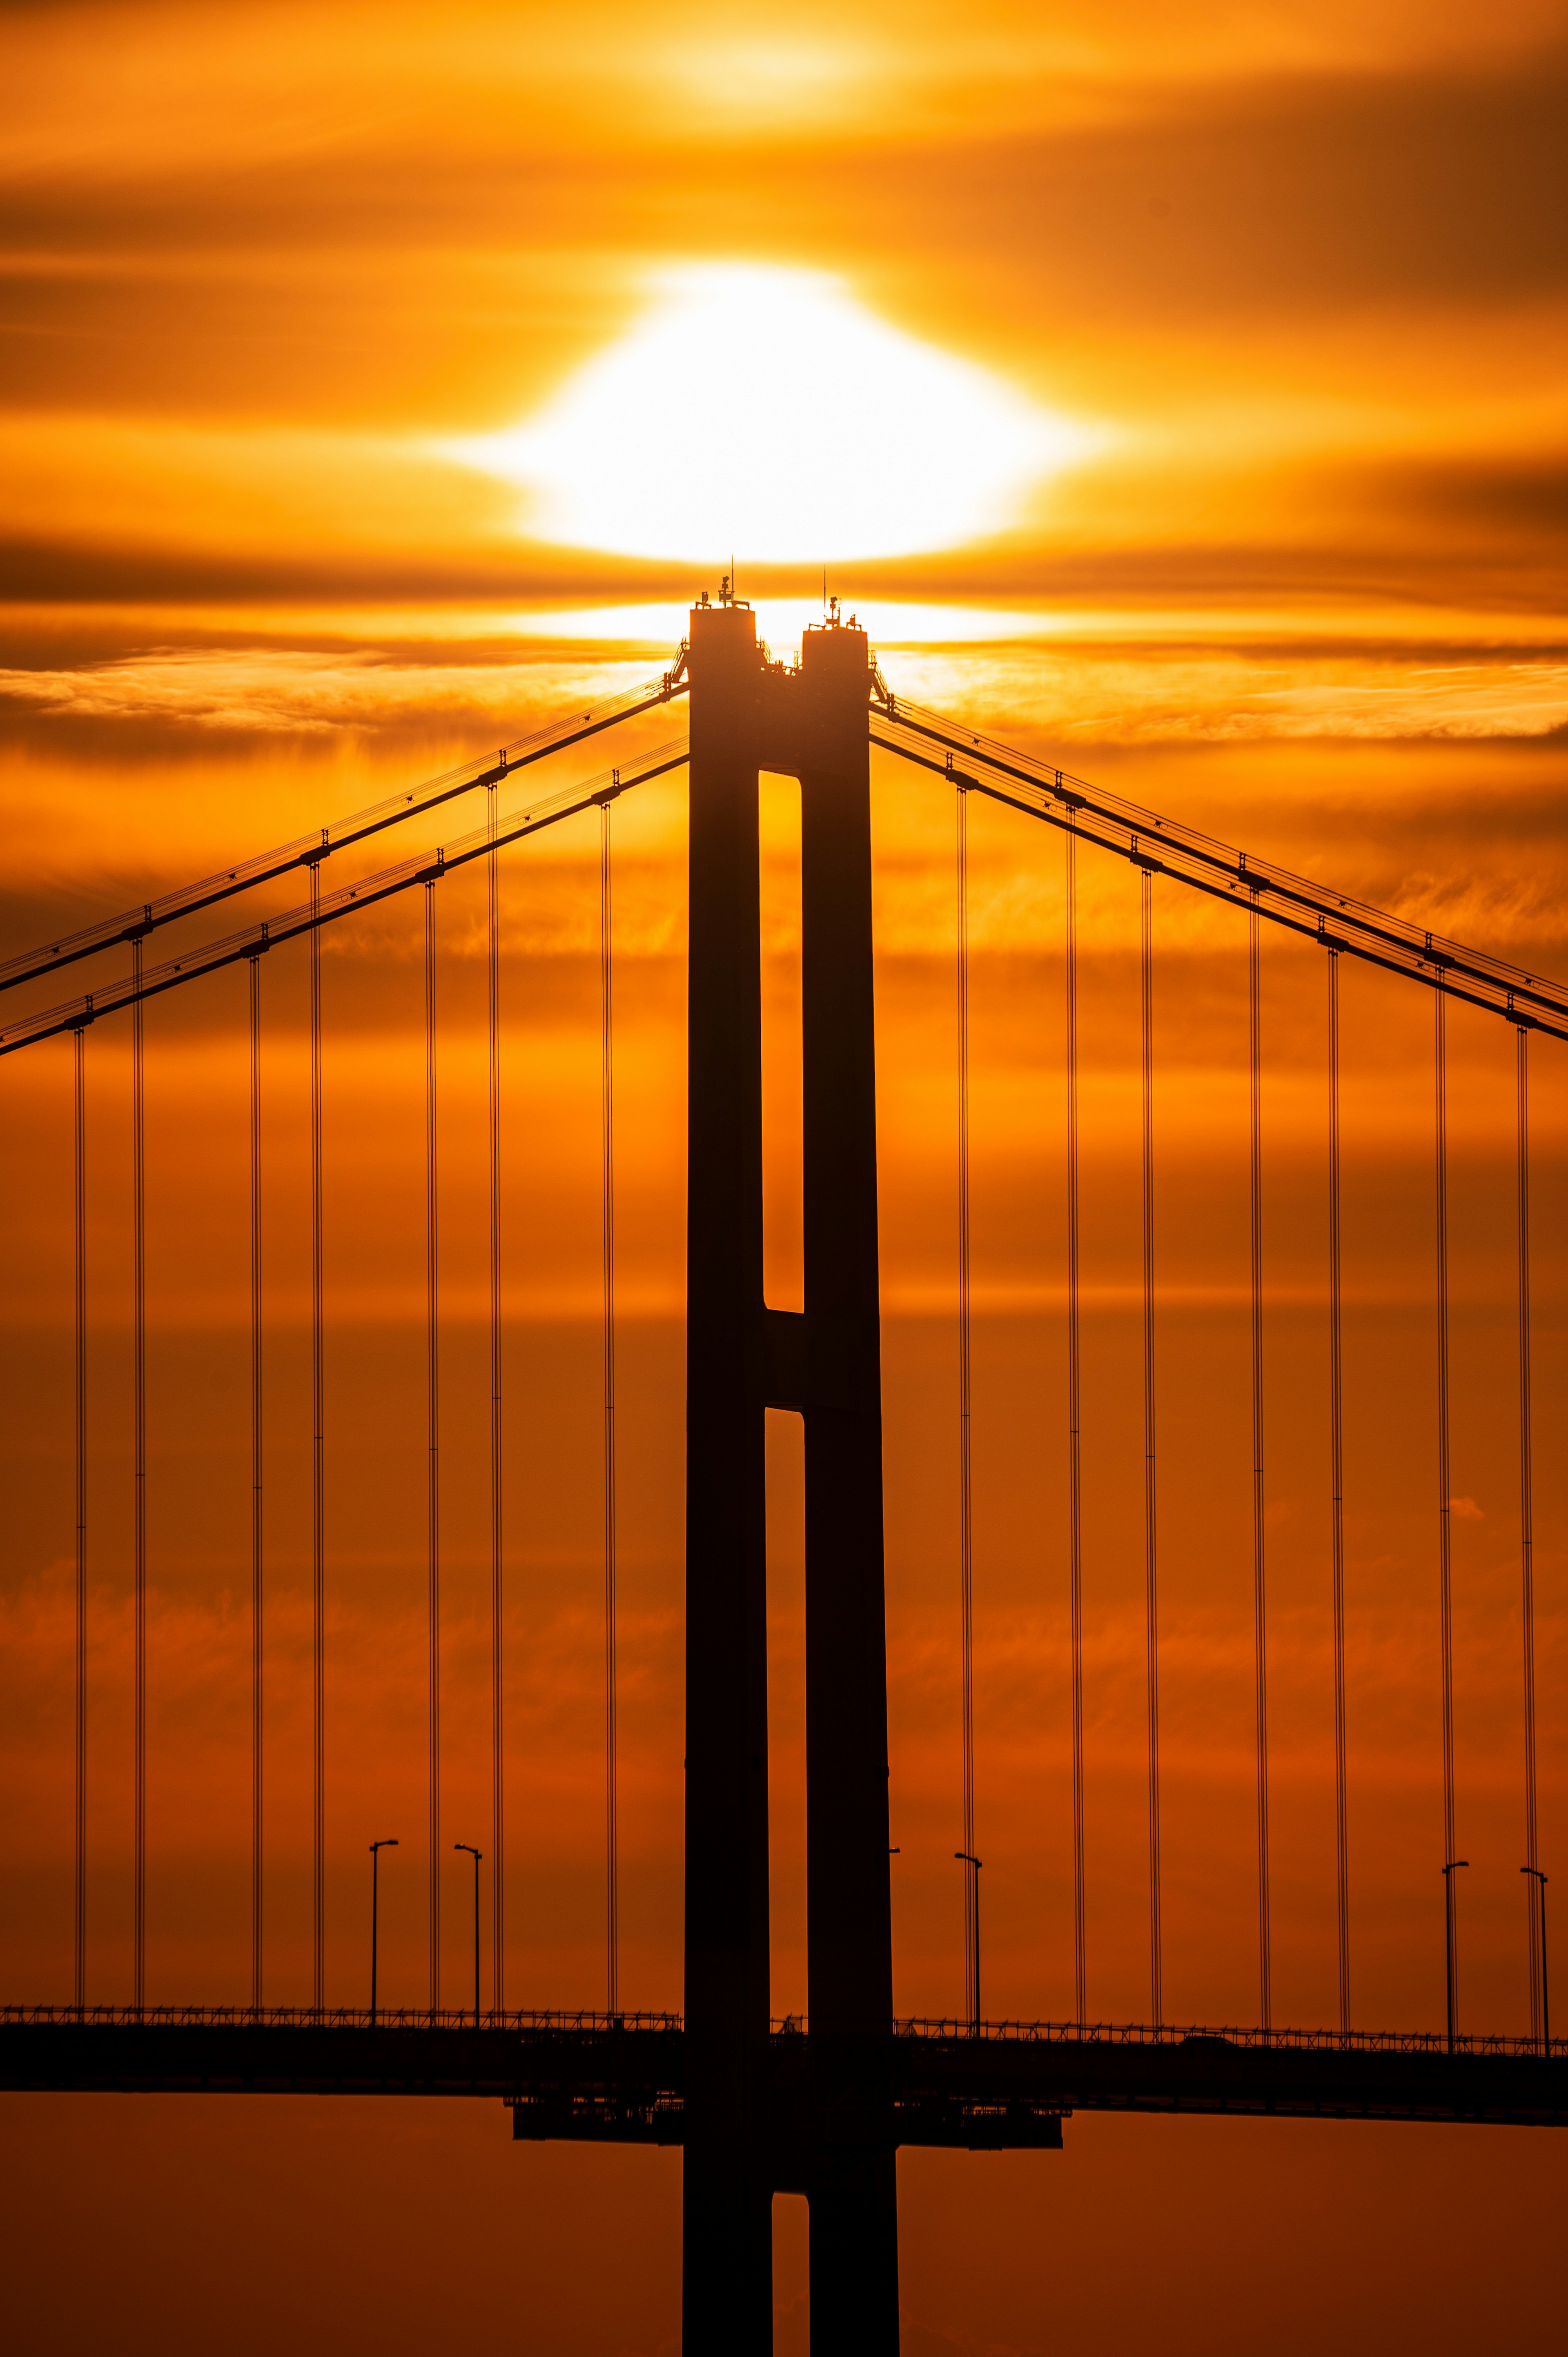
(1177, 391)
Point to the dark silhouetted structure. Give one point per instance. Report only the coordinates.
(743, 1357)
(759, 2110)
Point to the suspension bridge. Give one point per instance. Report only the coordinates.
(818, 2106)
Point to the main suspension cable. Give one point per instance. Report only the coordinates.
(1337, 1464)
(433, 1415)
(1151, 1556)
(1260, 1600)
(1527, 1553)
(78, 1076)
(361, 826)
(256, 1558)
(347, 900)
(1055, 796)
(1446, 1560)
(606, 1111)
(966, 1481)
(139, 1285)
(317, 1477)
(498, 1597)
(1075, 1484)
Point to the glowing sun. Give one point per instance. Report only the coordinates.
(766, 410)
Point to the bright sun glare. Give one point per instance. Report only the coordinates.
(765, 410)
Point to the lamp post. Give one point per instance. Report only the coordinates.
(1449, 1872)
(375, 1896)
(476, 1855)
(973, 1865)
(1545, 2016)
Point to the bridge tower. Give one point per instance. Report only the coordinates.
(744, 1357)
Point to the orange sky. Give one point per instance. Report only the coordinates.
(1297, 277)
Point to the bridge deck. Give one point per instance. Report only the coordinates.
(592, 2077)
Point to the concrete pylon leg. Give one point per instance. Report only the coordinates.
(853, 2194)
(727, 2231)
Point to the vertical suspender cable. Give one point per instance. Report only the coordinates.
(256, 1596)
(1151, 1560)
(78, 1056)
(1260, 1598)
(498, 1599)
(432, 1413)
(1336, 1461)
(606, 1114)
(1527, 1547)
(966, 1487)
(1075, 1485)
(1445, 1566)
(317, 1476)
(1446, 1562)
(139, 1285)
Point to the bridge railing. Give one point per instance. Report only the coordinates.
(1171, 2033)
(339, 2017)
(587, 2022)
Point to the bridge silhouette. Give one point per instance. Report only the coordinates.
(819, 2106)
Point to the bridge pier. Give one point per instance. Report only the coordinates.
(744, 1358)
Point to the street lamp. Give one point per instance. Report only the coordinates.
(476, 1855)
(1448, 1924)
(973, 1880)
(375, 1876)
(1545, 2016)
